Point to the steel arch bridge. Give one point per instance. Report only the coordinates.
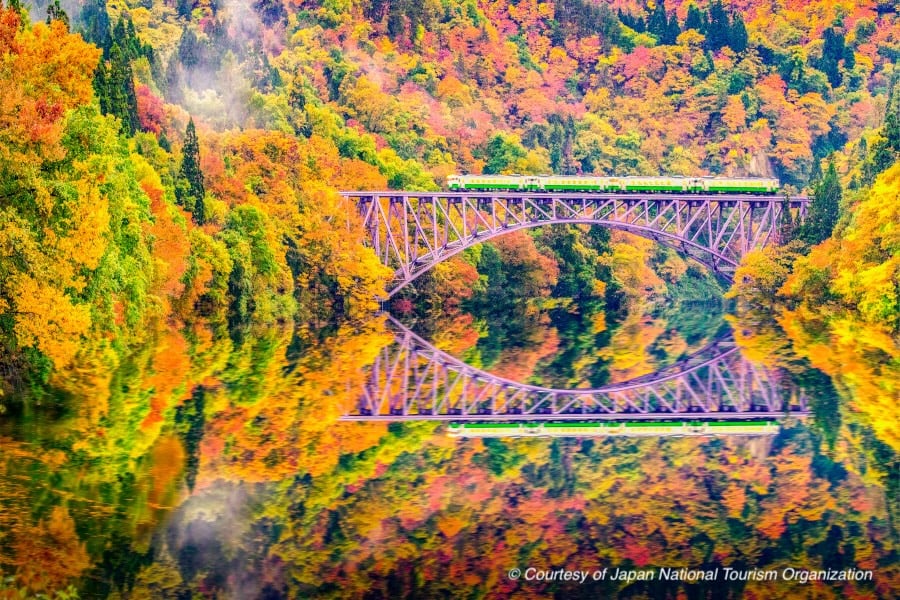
(412, 380)
(411, 232)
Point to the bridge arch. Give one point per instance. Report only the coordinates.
(413, 231)
(718, 264)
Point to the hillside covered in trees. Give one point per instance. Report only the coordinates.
(219, 131)
(185, 299)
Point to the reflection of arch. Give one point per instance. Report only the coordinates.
(411, 379)
(413, 231)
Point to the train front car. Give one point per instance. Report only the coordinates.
(740, 185)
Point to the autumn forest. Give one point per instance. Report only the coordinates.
(189, 307)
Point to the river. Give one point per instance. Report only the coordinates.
(218, 464)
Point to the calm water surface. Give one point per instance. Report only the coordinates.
(215, 466)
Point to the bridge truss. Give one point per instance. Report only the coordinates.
(412, 380)
(411, 232)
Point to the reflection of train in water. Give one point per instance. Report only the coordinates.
(587, 183)
(612, 428)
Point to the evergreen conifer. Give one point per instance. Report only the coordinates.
(823, 209)
(192, 193)
(694, 19)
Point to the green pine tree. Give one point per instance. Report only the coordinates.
(114, 86)
(694, 19)
(164, 142)
(658, 21)
(719, 27)
(121, 83)
(672, 31)
(892, 84)
(190, 194)
(184, 8)
(189, 48)
(101, 86)
(832, 53)
(738, 36)
(95, 26)
(892, 128)
(823, 209)
(56, 13)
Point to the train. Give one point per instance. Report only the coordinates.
(612, 428)
(634, 184)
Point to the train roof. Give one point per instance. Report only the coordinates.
(584, 175)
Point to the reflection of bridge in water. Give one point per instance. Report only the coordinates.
(412, 380)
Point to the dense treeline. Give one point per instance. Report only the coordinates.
(106, 231)
(438, 82)
(719, 27)
(736, 96)
(836, 289)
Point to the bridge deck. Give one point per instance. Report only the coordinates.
(796, 201)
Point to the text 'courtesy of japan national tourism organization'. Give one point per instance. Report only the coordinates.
(691, 575)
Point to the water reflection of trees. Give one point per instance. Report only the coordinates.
(565, 345)
(289, 502)
(441, 519)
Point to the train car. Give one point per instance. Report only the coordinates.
(656, 184)
(589, 183)
(571, 183)
(485, 182)
(612, 429)
(740, 185)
